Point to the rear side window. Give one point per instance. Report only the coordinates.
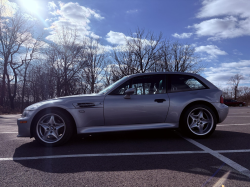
(181, 83)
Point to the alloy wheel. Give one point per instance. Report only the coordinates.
(200, 121)
(50, 128)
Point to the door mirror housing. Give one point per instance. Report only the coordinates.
(129, 92)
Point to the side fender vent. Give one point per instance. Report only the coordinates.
(82, 105)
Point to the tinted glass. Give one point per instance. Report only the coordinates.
(144, 85)
(121, 89)
(185, 83)
(111, 86)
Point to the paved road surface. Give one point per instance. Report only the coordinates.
(139, 158)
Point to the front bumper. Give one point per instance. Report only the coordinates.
(24, 124)
(222, 111)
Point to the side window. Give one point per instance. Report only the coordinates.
(144, 85)
(185, 83)
(121, 89)
(150, 84)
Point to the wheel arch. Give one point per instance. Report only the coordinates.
(50, 109)
(199, 102)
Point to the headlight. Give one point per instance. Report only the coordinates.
(26, 113)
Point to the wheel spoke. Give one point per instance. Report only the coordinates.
(193, 124)
(59, 125)
(44, 126)
(55, 134)
(193, 116)
(200, 127)
(52, 120)
(200, 115)
(205, 121)
(45, 136)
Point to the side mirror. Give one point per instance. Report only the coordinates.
(129, 92)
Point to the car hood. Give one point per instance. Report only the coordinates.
(67, 101)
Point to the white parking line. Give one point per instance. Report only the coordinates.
(239, 116)
(233, 124)
(234, 151)
(224, 159)
(222, 180)
(124, 154)
(7, 132)
(102, 154)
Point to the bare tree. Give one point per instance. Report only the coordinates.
(32, 49)
(14, 32)
(95, 64)
(140, 54)
(66, 58)
(234, 81)
(178, 57)
(147, 52)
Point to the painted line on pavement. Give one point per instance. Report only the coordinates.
(234, 151)
(7, 132)
(216, 154)
(238, 116)
(122, 154)
(232, 124)
(102, 154)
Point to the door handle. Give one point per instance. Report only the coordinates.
(160, 100)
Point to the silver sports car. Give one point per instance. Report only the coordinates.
(141, 101)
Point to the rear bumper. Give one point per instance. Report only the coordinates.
(222, 110)
(23, 127)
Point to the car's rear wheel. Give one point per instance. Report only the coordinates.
(198, 121)
(53, 128)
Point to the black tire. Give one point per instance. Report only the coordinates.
(60, 117)
(194, 132)
(240, 105)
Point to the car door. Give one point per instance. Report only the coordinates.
(149, 104)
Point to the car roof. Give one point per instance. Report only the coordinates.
(153, 73)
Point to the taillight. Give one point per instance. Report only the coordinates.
(221, 99)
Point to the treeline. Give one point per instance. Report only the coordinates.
(236, 92)
(33, 69)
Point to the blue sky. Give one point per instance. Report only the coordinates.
(219, 29)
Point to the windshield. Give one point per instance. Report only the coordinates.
(105, 90)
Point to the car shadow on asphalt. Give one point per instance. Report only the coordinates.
(128, 142)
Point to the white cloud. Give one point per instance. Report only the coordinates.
(212, 50)
(93, 35)
(183, 35)
(120, 39)
(116, 38)
(229, 27)
(236, 52)
(212, 8)
(235, 23)
(73, 16)
(52, 5)
(221, 74)
(132, 11)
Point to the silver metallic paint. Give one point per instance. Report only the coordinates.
(139, 109)
(124, 127)
(98, 119)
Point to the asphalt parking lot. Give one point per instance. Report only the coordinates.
(139, 158)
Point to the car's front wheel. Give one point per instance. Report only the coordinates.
(240, 105)
(53, 128)
(198, 121)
